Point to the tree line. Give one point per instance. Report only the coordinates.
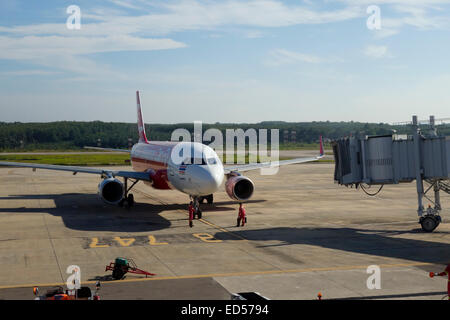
(76, 135)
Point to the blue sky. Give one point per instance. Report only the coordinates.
(225, 61)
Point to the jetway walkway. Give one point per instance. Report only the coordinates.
(392, 159)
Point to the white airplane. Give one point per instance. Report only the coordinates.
(199, 176)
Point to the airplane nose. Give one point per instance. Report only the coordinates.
(205, 179)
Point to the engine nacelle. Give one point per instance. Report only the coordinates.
(111, 190)
(239, 188)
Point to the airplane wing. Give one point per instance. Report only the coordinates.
(108, 149)
(254, 166)
(104, 173)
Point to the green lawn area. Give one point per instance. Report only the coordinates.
(89, 159)
(71, 159)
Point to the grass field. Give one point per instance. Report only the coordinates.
(71, 159)
(88, 159)
(42, 148)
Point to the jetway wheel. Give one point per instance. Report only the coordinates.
(429, 223)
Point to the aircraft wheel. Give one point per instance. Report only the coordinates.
(201, 199)
(210, 199)
(429, 223)
(130, 200)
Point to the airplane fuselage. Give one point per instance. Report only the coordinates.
(199, 173)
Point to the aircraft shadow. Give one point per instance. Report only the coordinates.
(86, 212)
(370, 242)
(219, 205)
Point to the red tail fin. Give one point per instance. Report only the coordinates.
(141, 125)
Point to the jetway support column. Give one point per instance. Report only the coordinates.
(419, 182)
(437, 197)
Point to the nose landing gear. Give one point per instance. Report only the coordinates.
(209, 199)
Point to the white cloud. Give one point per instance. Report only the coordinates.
(397, 14)
(385, 32)
(395, 2)
(32, 47)
(68, 53)
(417, 17)
(110, 30)
(279, 57)
(195, 15)
(28, 73)
(125, 4)
(376, 51)
(253, 34)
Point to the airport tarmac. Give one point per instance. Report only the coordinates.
(305, 234)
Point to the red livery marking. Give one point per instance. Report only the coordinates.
(141, 126)
(157, 171)
(153, 164)
(160, 180)
(141, 165)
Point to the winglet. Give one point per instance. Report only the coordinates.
(321, 147)
(141, 126)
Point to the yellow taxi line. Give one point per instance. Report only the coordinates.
(231, 274)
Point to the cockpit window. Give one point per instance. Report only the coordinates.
(199, 161)
(212, 161)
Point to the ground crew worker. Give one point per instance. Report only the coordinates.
(443, 274)
(191, 214)
(241, 215)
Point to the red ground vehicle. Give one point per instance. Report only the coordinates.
(445, 273)
(121, 266)
(84, 293)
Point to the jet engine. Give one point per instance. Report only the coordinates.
(239, 188)
(111, 190)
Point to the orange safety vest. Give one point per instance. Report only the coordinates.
(191, 212)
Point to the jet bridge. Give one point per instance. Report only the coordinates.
(393, 159)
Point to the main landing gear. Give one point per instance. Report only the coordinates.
(128, 199)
